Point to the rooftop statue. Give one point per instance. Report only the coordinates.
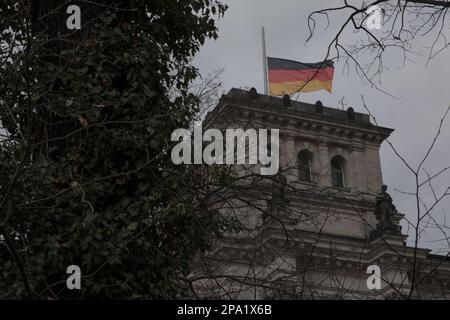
(385, 211)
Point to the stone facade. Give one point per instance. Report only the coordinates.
(312, 233)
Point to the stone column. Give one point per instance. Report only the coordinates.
(322, 157)
(291, 159)
(373, 168)
(358, 168)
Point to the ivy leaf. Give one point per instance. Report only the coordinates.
(132, 226)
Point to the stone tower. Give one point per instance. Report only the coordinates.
(313, 231)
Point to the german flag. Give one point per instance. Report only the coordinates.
(287, 76)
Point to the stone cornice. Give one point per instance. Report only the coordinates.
(358, 252)
(237, 106)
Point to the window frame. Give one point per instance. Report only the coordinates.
(304, 154)
(340, 164)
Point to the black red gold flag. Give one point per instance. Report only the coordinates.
(287, 76)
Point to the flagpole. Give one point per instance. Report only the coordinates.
(266, 90)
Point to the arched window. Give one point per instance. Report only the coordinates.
(337, 173)
(304, 166)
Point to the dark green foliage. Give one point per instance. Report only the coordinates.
(85, 171)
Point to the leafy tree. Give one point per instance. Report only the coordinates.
(85, 170)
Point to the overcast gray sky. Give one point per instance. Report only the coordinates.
(422, 91)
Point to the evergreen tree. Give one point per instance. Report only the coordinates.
(85, 171)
